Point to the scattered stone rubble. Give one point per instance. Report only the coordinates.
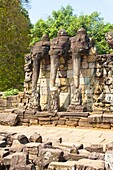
(18, 152)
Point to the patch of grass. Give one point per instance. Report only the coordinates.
(10, 92)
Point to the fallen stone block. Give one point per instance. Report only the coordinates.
(7, 160)
(35, 138)
(84, 153)
(90, 164)
(16, 147)
(71, 145)
(109, 160)
(96, 156)
(3, 153)
(52, 154)
(75, 157)
(19, 159)
(62, 165)
(2, 144)
(8, 119)
(94, 148)
(109, 147)
(33, 148)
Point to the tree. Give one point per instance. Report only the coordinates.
(14, 42)
(64, 18)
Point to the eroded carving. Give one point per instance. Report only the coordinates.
(80, 45)
(39, 51)
(109, 38)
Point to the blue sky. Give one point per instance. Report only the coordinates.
(43, 8)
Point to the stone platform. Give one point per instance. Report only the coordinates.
(70, 119)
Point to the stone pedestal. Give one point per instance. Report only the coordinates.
(76, 101)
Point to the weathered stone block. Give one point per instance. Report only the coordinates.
(35, 138)
(92, 65)
(8, 119)
(44, 90)
(64, 100)
(83, 122)
(33, 148)
(62, 165)
(109, 147)
(69, 73)
(18, 159)
(90, 164)
(97, 118)
(107, 118)
(44, 99)
(94, 148)
(71, 123)
(44, 82)
(62, 74)
(70, 66)
(85, 65)
(102, 125)
(33, 121)
(73, 114)
(109, 160)
(82, 81)
(7, 160)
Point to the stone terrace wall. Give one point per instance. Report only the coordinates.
(96, 81)
(103, 93)
(64, 81)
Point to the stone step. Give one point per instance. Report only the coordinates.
(73, 114)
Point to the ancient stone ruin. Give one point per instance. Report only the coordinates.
(66, 83)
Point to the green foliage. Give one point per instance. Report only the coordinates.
(14, 41)
(10, 92)
(64, 18)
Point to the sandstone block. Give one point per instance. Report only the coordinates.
(69, 73)
(62, 165)
(18, 159)
(92, 65)
(107, 118)
(94, 148)
(35, 138)
(44, 82)
(109, 160)
(7, 160)
(64, 100)
(85, 65)
(97, 118)
(90, 164)
(8, 119)
(33, 148)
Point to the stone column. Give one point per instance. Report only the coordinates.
(76, 59)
